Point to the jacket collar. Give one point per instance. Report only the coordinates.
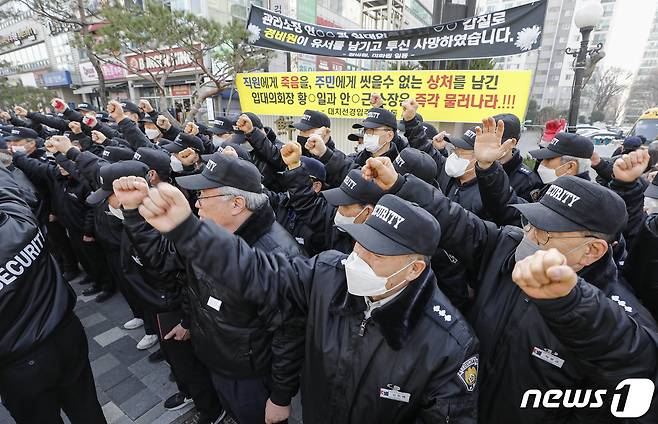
(397, 318)
(514, 163)
(601, 273)
(256, 225)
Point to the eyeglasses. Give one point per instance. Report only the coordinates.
(543, 237)
(371, 131)
(199, 197)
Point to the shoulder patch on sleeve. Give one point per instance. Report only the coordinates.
(468, 372)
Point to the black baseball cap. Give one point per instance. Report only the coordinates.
(156, 159)
(241, 151)
(116, 154)
(397, 227)
(378, 117)
(85, 106)
(565, 144)
(354, 190)
(182, 142)
(512, 126)
(131, 107)
(413, 161)
(430, 130)
(103, 116)
(575, 204)
(632, 142)
(221, 125)
(114, 171)
(224, 171)
(652, 190)
(315, 168)
(312, 119)
(355, 136)
(21, 133)
(466, 141)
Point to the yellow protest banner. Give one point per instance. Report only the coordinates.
(446, 96)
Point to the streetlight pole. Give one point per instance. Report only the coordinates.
(579, 69)
(586, 19)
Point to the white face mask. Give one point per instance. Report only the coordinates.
(650, 205)
(151, 133)
(362, 280)
(340, 219)
(176, 164)
(455, 166)
(547, 175)
(371, 143)
(116, 212)
(359, 147)
(18, 149)
(218, 140)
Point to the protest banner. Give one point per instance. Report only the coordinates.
(447, 96)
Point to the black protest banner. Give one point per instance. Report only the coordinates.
(502, 33)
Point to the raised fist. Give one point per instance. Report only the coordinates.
(244, 124)
(409, 108)
(191, 128)
(545, 275)
(75, 127)
(631, 166)
(316, 146)
(376, 100)
(59, 105)
(381, 171)
(291, 153)
(163, 122)
(19, 111)
(115, 110)
(188, 157)
(145, 106)
(98, 137)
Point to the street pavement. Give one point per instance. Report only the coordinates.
(130, 389)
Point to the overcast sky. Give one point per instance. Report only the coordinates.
(629, 33)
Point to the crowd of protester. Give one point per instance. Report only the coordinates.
(420, 277)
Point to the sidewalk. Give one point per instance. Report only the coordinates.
(130, 389)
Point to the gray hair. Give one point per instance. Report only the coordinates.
(584, 165)
(252, 200)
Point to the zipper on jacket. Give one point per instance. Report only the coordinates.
(362, 327)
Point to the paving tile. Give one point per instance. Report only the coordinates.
(103, 364)
(152, 414)
(125, 390)
(109, 336)
(125, 350)
(112, 413)
(139, 403)
(113, 377)
(143, 367)
(92, 319)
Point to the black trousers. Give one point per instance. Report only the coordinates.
(243, 399)
(192, 376)
(60, 247)
(55, 376)
(92, 259)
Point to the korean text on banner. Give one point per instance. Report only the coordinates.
(446, 96)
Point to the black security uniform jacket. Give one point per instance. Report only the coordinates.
(521, 178)
(600, 329)
(34, 297)
(316, 213)
(233, 336)
(67, 194)
(410, 344)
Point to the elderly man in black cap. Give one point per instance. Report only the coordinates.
(383, 344)
(379, 139)
(221, 130)
(185, 152)
(254, 361)
(550, 310)
(313, 122)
